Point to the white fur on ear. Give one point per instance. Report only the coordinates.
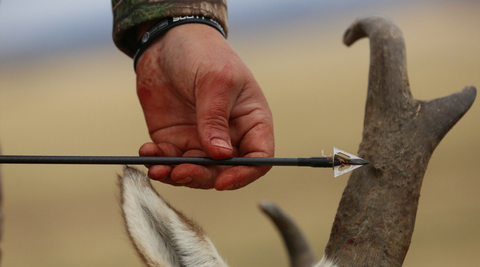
(162, 235)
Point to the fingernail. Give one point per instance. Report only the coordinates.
(185, 180)
(221, 143)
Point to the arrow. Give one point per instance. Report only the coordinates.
(342, 162)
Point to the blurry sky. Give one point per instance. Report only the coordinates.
(31, 28)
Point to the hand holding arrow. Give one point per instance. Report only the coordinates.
(341, 161)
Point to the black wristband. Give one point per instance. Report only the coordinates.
(156, 30)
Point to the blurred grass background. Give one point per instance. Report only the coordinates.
(84, 103)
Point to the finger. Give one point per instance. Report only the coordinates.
(150, 150)
(258, 142)
(196, 176)
(215, 97)
(251, 123)
(240, 176)
(163, 149)
(159, 172)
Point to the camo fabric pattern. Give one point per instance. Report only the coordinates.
(127, 14)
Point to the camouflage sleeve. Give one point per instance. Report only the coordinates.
(127, 14)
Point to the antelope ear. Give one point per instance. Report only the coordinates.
(161, 235)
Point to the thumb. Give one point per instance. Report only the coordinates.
(213, 111)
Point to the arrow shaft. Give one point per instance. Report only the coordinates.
(323, 162)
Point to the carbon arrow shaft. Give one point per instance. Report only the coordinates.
(322, 162)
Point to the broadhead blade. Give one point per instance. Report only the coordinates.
(353, 162)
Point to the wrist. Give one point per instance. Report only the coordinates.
(159, 28)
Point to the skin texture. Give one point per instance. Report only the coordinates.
(199, 99)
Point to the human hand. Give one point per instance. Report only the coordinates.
(200, 100)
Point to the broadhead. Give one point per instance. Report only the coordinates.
(350, 162)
